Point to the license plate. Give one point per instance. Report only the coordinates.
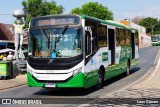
(50, 85)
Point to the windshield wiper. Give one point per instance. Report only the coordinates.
(60, 35)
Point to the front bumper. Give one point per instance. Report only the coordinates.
(74, 82)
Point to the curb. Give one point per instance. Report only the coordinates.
(3, 89)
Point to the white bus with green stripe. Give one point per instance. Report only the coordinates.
(77, 51)
(155, 40)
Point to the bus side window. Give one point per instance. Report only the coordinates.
(117, 37)
(122, 37)
(102, 35)
(137, 41)
(128, 37)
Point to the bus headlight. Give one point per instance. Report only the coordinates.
(76, 71)
(30, 71)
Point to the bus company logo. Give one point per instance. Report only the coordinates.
(50, 61)
(104, 56)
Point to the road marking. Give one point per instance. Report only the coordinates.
(157, 66)
(156, 57)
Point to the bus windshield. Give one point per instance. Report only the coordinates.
(55, 43)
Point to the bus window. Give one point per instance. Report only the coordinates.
(117, 36)
(128, 37)
(137, 41)
(122, 37)
(102, 35)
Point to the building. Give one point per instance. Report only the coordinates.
(144, 39)
(6, 36)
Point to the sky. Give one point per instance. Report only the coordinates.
(121, 9)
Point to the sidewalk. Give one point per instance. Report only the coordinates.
(10, 83)
(149, 88)
(144, 93)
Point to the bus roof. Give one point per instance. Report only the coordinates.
(108, 22)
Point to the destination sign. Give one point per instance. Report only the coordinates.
(55, 21)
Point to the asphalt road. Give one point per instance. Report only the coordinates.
(147, 57)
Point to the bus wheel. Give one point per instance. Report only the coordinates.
(128, 68)
(100, 79)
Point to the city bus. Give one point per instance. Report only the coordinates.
(155, 40)
(78, 51)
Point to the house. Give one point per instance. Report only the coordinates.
(7, 36)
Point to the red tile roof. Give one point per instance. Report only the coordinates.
(5, 33)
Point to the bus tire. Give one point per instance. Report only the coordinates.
(100, 80)
(128, 68)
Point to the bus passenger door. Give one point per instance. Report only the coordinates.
(111, 46)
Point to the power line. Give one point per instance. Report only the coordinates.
(6, 14)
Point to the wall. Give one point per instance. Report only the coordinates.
(143, 38)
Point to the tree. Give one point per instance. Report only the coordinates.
(151, 25)
(34, 8)
(95, 10)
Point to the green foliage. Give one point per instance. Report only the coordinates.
(152, 25)
(95, 10)
(21, 22)
(35, 8)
